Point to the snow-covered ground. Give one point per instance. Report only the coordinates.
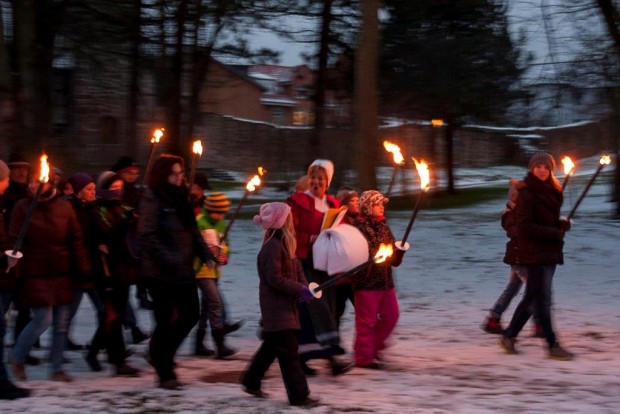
(440, 361)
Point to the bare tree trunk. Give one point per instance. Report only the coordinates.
(175, 107)
(134, 83)
(319, 97)
(449, 136)
(37, 23)
(366, 95)
(612, 19)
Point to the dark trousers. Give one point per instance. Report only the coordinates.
(175, 308)
(537, 298)
(5, 301)
(281, 345)
(344, 293)
(109, 334)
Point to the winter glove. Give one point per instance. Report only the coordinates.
(305, 295)
(564, 225)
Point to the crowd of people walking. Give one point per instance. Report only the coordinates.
(101, 235)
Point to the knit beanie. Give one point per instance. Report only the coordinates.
(201, 180)
(217, 203)
(371, 198)
(542, 158)
(345, 194)
(105, 180)
(125, 164)
(4, 170)
(79, 180)
(17, 160)
(272, 215)
(326, 165)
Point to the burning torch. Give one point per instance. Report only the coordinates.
(385, 251)
(424, 174)
(196, 153)
(569, 169)
(157, 135)
(605, 160)
(43, 178)
(398, 161)
(250, 187)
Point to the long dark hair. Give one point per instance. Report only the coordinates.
(175, 195)
(157, 179)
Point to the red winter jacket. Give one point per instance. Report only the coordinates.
(307, 220)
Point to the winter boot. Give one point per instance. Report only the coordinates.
(137, 336)
(199, 348)
(10, 391)
(559, 353)
(340, 367)
(508, 344)
(232, 327)
(492, 325)
(222, 350)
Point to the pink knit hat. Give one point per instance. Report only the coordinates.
(272, 215)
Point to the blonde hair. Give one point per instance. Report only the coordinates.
(288, 236)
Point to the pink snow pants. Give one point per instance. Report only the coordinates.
(376, 314)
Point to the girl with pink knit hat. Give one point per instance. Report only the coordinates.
(282, 285)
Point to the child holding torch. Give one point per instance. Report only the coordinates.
(374, 287)
(282, 284)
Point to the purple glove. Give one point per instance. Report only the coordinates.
(305, 294)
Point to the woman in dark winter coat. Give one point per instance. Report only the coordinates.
(170, 241)
(116, 271)
(282, 285)
(82, 200)
(539, 242)
(8, 390)
(53, 249)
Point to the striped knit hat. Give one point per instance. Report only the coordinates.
(217, 203)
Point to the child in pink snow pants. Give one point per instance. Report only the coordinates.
(376, 306)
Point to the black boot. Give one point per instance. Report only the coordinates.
(200, 349)
(138, 336)
(232, 327)
(10, 391)
(340, 367)
(222, 350)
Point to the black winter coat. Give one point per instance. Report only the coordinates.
(537, 213)
(377, 276)
(169, 238)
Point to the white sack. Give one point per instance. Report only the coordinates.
(339, 249)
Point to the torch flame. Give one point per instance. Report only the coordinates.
(261, 171)
(253, 183)
(605, 160)
(157, 135)
(45, 169)
(569, 166)
(424, 173)
(395, 150)
(385, 251)
(197, 147)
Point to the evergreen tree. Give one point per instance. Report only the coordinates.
(447, 59)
